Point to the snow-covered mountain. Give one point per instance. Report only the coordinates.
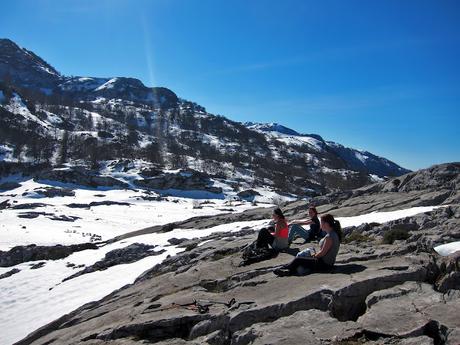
(356, 159)
(48, 117)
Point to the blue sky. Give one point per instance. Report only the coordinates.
(383, 76)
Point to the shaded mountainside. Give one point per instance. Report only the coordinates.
(437, 185)
(383, 289)
(48, 117)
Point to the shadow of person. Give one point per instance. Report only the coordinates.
(291, 251)
(347, 268)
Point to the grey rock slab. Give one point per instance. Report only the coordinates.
(303, 327)
(212, 275)
(412, 309)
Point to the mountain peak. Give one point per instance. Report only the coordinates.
(278, 128)
(24, 68)
(153, 124)
(271, 127)
(6, 42)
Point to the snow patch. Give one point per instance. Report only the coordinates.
(108, 85)
(448, 248)
(383, 217)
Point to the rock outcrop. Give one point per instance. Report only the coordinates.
(33, 252)
(131, 253)
(383, 290)
(377, 293)
(79, 176)
(183, 180)
(438, 185)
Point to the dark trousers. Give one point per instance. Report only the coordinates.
(265, 238)
(308, 263)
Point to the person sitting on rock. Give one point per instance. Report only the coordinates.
(295, 228)
(324, 259)
(276, 237)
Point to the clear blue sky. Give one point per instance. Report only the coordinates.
(383, 76)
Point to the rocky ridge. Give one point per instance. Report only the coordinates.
(378, 293)
(46, 117)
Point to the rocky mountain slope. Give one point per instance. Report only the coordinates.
(46, 117)
(388, 287)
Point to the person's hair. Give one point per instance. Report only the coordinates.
(335, 224)
(279, 213)
(313, 208)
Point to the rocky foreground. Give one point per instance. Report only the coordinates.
(388, 286)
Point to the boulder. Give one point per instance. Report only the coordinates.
(33, 252)
(9, 273)
(183, 180)
(79, 176)
(51, 192)
(412, 309)
(248, 194)
(131, 253)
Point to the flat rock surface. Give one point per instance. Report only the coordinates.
(159, 306)
(376, 294)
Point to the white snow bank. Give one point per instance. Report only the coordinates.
(105, 221)
(448, 248)
(382, 217)
(25, 296)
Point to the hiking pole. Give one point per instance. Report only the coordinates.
(227, 304)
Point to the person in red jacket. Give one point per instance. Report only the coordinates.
(276, 237)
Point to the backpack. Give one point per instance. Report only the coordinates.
(252, 254)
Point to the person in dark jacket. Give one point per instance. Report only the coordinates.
(296, 228)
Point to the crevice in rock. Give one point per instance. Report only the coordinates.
(179, 327)
(349, 303)
(240, 279)
(437, 331)
(74, 321)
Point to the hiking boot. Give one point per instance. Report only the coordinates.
(282, 272)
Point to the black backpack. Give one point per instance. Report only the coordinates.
(252, 254)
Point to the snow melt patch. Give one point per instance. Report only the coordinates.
(108, 85)
(26, 296)
(383, 217)
(448, 248)
(17, 106)
(106, 221)
(361, 157)
(6, 153)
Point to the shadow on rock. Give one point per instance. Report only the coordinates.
(348, 268)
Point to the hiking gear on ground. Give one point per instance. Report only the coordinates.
(252, 254)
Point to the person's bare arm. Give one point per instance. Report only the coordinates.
(326, 247)
(301, 222)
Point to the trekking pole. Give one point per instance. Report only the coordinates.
(227, 304)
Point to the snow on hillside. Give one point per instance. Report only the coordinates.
(107, 85)
(82, 84)
(17, 106)
(285, 135)
(382, 217)
(6, 153)
(36, 297)
(106, 221)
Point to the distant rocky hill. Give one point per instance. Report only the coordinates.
(46, 117)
